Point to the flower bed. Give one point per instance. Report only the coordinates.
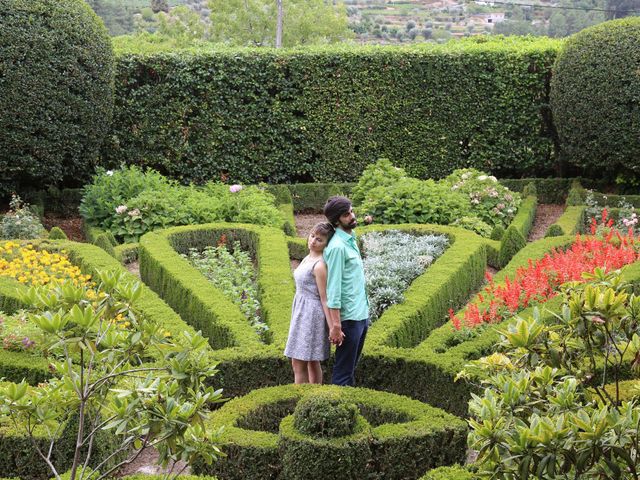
(539, 280)
(393, 259)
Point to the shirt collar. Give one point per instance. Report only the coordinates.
(344, 236)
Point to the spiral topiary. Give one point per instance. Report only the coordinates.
(56, 78)
(595, 96)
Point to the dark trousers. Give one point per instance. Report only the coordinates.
(348, 353)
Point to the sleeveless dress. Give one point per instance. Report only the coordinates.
(308, 334)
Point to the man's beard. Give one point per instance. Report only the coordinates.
(349, 226)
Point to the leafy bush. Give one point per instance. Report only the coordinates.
(594, 96)
(230, 269)
(478, 226)
(492, 202)
(111, 188)
(20, 222)
(129, 203)
(379, 174)
(415, 201)
(57, 97)
(545, 411)
(56, 233)
(325, 416)
(392, 261)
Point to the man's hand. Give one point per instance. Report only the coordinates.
(336, 335)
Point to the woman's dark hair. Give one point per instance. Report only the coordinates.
(324, 228)
(335, 208)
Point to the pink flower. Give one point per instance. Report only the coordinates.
(235, 188)
(121, 209)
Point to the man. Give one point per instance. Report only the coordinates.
(346, 296)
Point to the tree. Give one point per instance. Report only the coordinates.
(159, 6)
(253, 22)
(97, 345)
(279, 24)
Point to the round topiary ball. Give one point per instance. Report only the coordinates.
(56, 92)
(595, 96)
(325, 416)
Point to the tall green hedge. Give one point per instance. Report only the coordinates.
(56, 79)
(323, 114)
(595, 96)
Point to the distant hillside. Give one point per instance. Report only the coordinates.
(390, 21)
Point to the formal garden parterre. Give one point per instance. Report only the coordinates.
(557, 320)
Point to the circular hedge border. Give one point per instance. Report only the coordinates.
(405, 437)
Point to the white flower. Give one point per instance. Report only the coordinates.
(482, 178)
(465, 175)
(235, 188)
(475, 201)
(493, 179)
(455, 187)
(109, 173)
(134, 213)
(121, 209)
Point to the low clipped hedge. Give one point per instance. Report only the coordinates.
(406, 437)
(515, 236)
(455, 472)
(569, 223)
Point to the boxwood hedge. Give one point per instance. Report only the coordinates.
(406, 437)
(297, 115)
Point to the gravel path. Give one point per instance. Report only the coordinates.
(546, 215)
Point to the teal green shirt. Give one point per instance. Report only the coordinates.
(345, 277)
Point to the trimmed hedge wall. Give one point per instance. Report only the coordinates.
(296, 115)
(569, 223)
(407, 436)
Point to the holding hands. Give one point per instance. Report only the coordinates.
(336, 335)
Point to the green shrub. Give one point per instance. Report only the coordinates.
(325, 416)
(512, 242)
(56, 233)
(554, 230)
(490, 201)
(594, 97)
(455, 472)
(415, 201)
(476, 225)
(380, 174)
(110, 189)
(295, 117)
(569, 223)
(20, 222)
(104, 243)
(57, 97)
(497, 232)
(311, 197)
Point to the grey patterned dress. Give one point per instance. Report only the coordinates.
(308, 334)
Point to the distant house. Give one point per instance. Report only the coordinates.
(487, 18)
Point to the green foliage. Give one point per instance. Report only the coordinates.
(104, 243)
(415, 201)
(490, 201)
(20, 222)
(569, 223)
(554, 230)
(536, 389)
(455, 472)
(56, 233)
(476, 225)
(397, 438)
(379, 174)
(57, 99)
(130, 203)
(311, 197)
(594, 96)
(325, 416)
(95, 358)
(294, 116)
(253, 22)
(497, 232)
(230, 268)
(111, 188)
(512, 242)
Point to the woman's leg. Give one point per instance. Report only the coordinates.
(315, 372)
(300, 372)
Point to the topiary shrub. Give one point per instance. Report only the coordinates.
(512, 242)
(554, 230)
(325, 416)
(57, 91)
(595, 96)
(497, 232)
(56, 233)
(104, 243)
